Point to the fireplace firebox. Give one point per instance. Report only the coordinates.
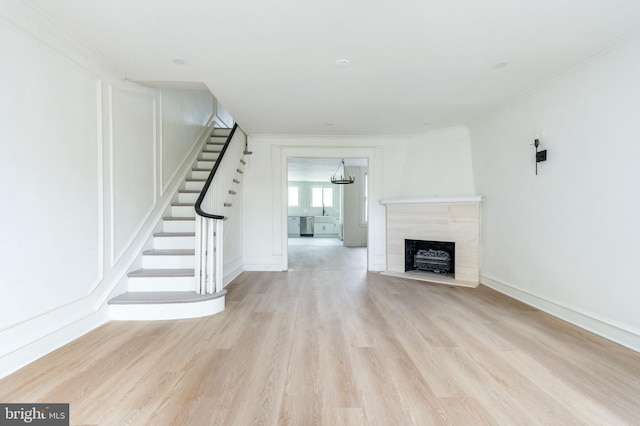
(430, 256)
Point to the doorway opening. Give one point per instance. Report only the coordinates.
(325, 219)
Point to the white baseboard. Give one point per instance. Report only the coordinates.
(231, 270)
(262, 267)
(355, 243)
(609, 329)
(378, 267)
(49, 341)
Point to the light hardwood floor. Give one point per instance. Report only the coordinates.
(330, 344)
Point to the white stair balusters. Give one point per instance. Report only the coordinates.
(212, 213)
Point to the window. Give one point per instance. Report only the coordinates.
(321, 197)
(293, 196)
(365, 205)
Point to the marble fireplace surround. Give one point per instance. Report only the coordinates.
(455, 219)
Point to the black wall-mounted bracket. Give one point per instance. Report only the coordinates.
(540, 155)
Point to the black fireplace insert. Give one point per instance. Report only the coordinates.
(430, 256)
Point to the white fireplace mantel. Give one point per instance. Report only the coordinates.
(470, 199)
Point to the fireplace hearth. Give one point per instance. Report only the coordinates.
(430, 256)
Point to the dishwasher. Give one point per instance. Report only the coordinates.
(306, 226)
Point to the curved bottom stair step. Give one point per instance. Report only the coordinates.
(165, 305)
(158, 297)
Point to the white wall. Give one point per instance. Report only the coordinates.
(80, 181)
(437, 163)
(567, 239)
(233, 226)
(354, 230)
(429, 164)
(223, 117)
(183, 113)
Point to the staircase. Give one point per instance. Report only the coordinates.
(165, 287)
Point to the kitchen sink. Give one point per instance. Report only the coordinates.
(324, 219)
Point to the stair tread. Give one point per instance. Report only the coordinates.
(159, 297)
(182, 204)
(200, 170)
(195, 180)
(189, 218)
(189, 191)
(169, 252)
(161, 273)
(174, 234)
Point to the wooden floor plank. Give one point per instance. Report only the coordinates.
(329, 343)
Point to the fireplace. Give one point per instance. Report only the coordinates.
(430, 256)
(435, 220)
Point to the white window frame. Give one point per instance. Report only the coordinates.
(365, 199)
(294, 195)
(325, 200)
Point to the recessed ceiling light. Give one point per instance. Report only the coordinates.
(501, 65)
(342, 63)
(179, 61)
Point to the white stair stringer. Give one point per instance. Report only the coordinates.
(165, 287)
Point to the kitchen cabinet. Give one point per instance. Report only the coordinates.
(326, 226)
(293, 226)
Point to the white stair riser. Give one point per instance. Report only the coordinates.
(197, 186)
(221, 131)
(166, 311)
(205, 164)
(179, 225)
(183, 211)
(188, 197)
(162, 284)
(150, 261)
(217, 148)
(161, 243)
(209, 156)
(200, 174)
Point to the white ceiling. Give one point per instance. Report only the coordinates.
(415, 65)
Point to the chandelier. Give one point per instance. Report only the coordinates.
(344, 178)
